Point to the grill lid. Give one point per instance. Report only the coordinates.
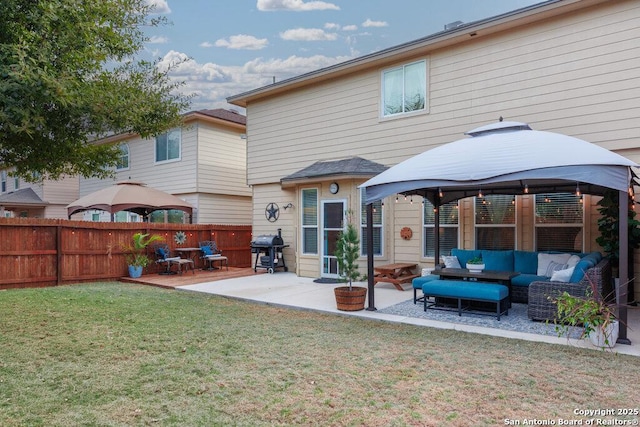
(267, 240)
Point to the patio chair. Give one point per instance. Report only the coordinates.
(163, 256)
(211, 254)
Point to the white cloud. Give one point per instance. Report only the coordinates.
(294, 5)
(350, 28)
(307, 34)
(206, 44)
(242, 42)
(370, 23)
(212, 83)
(331, 26)
(158, 40)
(159, 6)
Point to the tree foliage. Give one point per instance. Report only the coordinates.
(68, 76)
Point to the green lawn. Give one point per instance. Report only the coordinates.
(114, 354)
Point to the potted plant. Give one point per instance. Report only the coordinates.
(591, 311)
(136, 252)
(475, 264)
(349, 298)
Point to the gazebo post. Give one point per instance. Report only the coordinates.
(371, 296)
(623, 257)
(436, 231)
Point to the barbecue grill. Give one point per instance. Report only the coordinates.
(268, 250)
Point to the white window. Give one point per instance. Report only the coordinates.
(16, 183)
(310, 221)
(448, 228)
(404, 89)
(168, 145)
(123, 160)
(559, 222)
(495, 221)
(377, 226)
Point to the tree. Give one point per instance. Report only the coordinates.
(68, 76)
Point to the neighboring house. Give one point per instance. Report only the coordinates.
(565, 66)
(45, 199)
(202, 162)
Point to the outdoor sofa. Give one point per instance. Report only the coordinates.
(543, 275)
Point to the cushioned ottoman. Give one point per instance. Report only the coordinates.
(417, 285)
(463, 290)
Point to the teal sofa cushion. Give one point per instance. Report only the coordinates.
(585, 263)
(527, 279)
(465, 289)
(525, 262)
(498, 260)
(419, 281)
(465, 255)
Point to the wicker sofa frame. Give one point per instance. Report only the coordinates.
(541, 294)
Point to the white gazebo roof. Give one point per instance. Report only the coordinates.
(505, 157)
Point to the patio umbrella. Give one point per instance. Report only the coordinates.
(129, 196)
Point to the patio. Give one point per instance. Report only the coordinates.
(289, 290)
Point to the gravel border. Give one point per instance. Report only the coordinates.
(517, 320)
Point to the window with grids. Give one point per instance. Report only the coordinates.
(404, 89)
(559, 222)
(495, 222)
(168, 145)
(310, 221)
(123, 160)
(377, 226)
(448, 228)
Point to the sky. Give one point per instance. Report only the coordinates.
(233, 46)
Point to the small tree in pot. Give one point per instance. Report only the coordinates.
(349, 298)
(136, 252)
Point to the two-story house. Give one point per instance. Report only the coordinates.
(565, 66)
(202, 162)
(44, 199)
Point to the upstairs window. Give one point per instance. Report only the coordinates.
(404, 89)
(559, 222)
(168, 145)
(4, 181)
(123, 160)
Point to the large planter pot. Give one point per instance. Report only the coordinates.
(135, 271)
(350, 300)
(605, 337)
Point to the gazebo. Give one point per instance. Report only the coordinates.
(508, 158)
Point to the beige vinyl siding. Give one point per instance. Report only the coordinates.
(223, 209)
(575, 75)
(222, 164)
(62, 191)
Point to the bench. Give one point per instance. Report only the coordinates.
(417, 285)
(468, 291)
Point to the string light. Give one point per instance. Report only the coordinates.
(577, 189)
(412, 199)
(396, 198)
(440, 193)
(480, 193)
(526, 189)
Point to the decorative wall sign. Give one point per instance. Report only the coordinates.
(180, 237)
(272, 212)
(406, 233)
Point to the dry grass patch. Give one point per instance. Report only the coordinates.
(117, 354)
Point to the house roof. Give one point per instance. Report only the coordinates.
(222, 114)
(462, 33)
(350, 167)
(22, 197)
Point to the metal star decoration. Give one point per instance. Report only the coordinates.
(272, 212)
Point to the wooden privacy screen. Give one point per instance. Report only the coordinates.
(48, 252)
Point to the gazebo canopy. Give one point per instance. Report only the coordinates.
(505, 158)
(508, 158)
(129, 196)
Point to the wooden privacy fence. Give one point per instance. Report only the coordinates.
(47, 252)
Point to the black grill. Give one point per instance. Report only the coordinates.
(268, 250)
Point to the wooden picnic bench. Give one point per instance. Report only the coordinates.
(396, 274)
